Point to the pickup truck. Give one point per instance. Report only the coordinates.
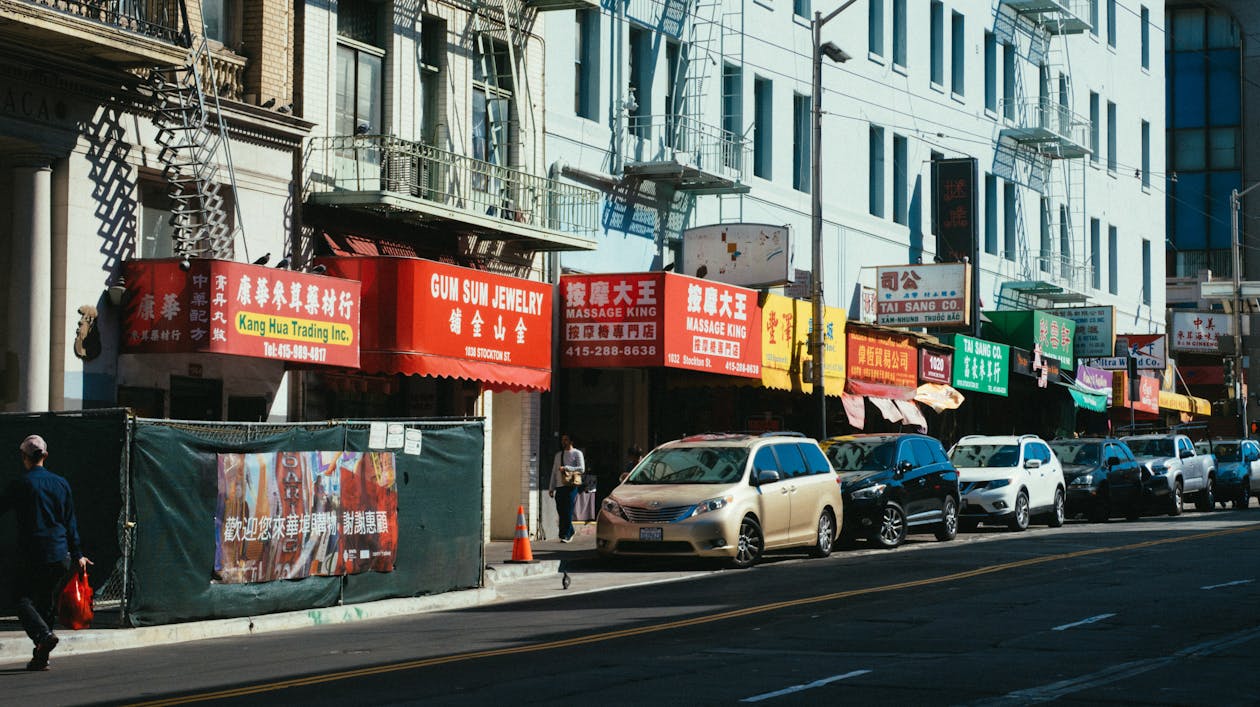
(1177, 470)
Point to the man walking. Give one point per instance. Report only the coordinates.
(47, 545)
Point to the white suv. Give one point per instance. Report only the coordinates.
(1008, 479)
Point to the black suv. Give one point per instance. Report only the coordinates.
(894, 484)
(1103, 478)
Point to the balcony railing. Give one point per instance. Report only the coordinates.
(164, 20)
(1059, 16)
(1049, 124)
(435, 183)
(698, 154)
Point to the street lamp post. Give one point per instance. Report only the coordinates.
(1235, 203)
(816, 336)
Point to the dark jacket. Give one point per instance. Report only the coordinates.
(47, 531)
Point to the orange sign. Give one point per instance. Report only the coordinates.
(885, 360)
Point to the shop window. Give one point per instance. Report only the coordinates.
(196, 398)
(247, 408)
(144, 402)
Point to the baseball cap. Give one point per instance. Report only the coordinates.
(34, 446)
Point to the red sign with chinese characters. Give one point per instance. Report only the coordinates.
(882, 360)
(660, 319)
(428, 318)
(221, 306)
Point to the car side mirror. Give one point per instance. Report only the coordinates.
(905, 466)
(766, 476)
(1113, 461)
(1032, 464)
(1184, 454)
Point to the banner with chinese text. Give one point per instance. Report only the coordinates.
(288, 515)
(785, 328)
(1200, 331)
(923, 295)
(220, 306)
(884, 360)
(982, 366)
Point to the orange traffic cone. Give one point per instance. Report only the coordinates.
(521, 552)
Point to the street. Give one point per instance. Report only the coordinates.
(1158, 611)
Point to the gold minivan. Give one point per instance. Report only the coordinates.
(729, 496)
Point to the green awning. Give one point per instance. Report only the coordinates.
(1088, 401)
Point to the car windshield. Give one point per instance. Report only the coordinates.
(1226, 452)
(971, 456)
(1152, 447)
(863, 455)
(691, 465)
(1080, 453)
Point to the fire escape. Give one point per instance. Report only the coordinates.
(1042, 145)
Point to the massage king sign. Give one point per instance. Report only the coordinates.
(221, 306)
(660, 319)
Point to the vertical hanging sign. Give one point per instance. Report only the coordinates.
(954, 206)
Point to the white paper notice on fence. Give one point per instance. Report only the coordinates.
(376, 435)
(412, 444)
(394, 438)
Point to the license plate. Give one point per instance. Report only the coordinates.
(650, 533)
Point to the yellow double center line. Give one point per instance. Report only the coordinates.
(681, 623)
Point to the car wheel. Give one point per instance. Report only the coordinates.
(1019, 517)
(1056, 514)
(891, 530)
(826, 536)
(750, 544)
(1244, 497)
(1203, 502)
(948, 528)
(1176, 504)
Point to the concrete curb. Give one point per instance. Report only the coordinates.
(16, 648)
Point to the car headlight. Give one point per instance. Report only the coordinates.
(998, 483)
(1159, 469)
(867, 492)
(1084, 480)
(712, 504)
(614, 508)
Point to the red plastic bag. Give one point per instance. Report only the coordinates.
(74, 607)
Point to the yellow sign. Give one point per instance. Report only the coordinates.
(293, 329)
(785, 326)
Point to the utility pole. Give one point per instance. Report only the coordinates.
(1235, 203)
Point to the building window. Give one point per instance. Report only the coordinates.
(763, 126)
(899, 33)
(432, 62)
(1095, 253)
(1146, 155)
(938, 43)
(990, 72)
(1008, 221)
(1093, 17)
(875, 28)
(1093, 127)
(493, 138)
(1047, 255)
(1008, 81)
(936, 157)
(1111, 136)
(221, 21)
(640, 41)
(156, 232)
(901, 178)
(990, 214)
(359, 89)
(876, 180)
(1146, 271)
(957, 56)
(800, 142)
(732, 115)
(1111, 23)
(1146, 37)
(673, 102)
(586, 64)
(801, 8)
(1065, 244)
(1113, 260)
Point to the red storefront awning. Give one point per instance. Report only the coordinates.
(426, 318)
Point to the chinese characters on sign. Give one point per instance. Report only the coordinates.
(923, 295)
(954, 184)
(982, 366)
(289, 515)
(785, 326)
(226, 307)
(1095, 330)
(1200, 331)
(886, 361)
(1055, 335)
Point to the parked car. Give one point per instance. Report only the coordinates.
(1173, 460)
(894, 484)
(1008, 479)
(729, 496)
(1103, 478)
(1237, 471)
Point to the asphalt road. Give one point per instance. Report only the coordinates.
(1159, 611)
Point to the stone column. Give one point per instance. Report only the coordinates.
(32, 267)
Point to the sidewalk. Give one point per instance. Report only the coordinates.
(551, 557)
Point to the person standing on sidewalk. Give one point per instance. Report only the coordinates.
(569, 461)
(47, 545)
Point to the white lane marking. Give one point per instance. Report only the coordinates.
(806, 686)
(1228, 584)
(1083, 622)
(1116, 673)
